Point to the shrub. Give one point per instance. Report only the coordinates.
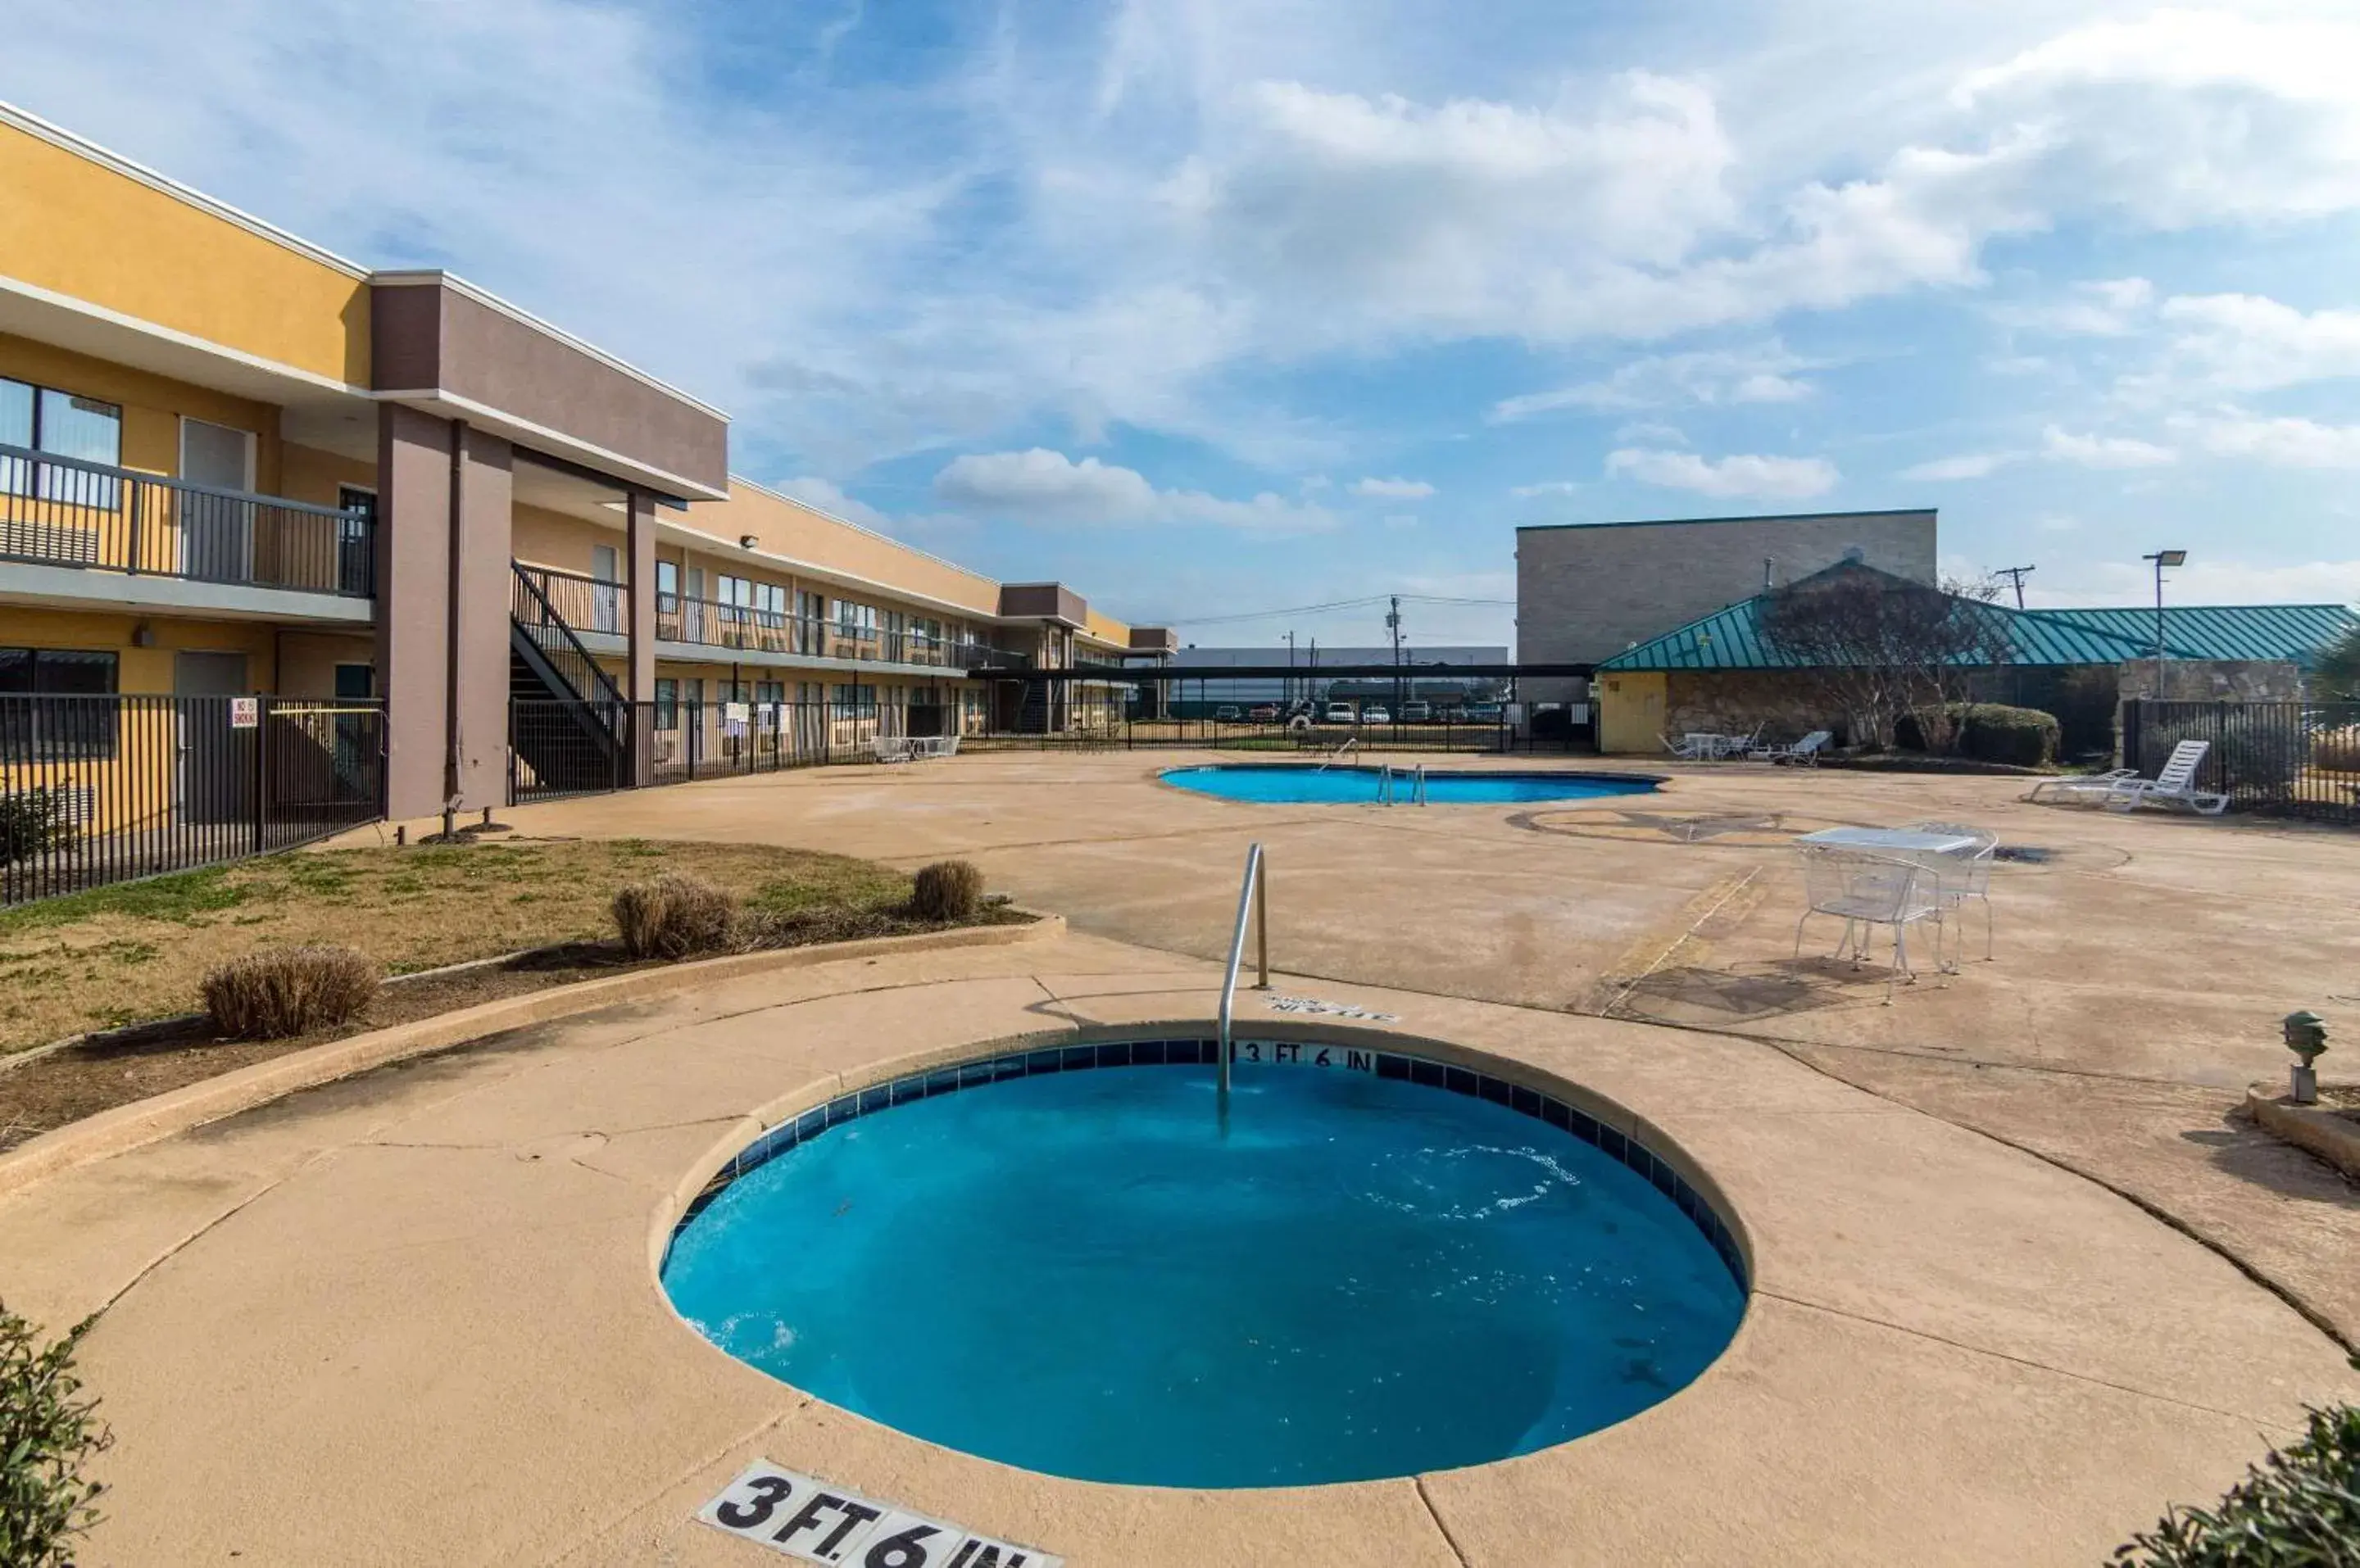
(1988, 732)
(46, 1437)
(32, 821)
(2336, 750)
(284, 991)
(948, 890)
(2300, 1509)
(674, 916)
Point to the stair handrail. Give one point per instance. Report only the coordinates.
(546, 616)
(1338, 755)
(1253, 899)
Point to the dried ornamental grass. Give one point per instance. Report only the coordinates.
(285, 991)
(948, 890)
(675, 916)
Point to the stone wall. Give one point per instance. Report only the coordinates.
(2213, 680)
(1783, 706)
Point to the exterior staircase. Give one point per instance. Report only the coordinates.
(569, 726)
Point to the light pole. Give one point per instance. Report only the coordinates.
(2162, 559)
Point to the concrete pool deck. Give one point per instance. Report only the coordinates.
(412, 1315)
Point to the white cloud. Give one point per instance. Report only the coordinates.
(2205, 580)
(1784, 478)
(2284, 442)
(830, 497)
(1392, 489)
(2104, 452)
(1547, 487)
(1048, 487)
(1763, 375)
(1966, 465)
(2246, 342)
(2108, 307)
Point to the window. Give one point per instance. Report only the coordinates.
(355, 568)
(50, 732)
(41, 418)
(355, 681)
(667, 704)
(667, 585)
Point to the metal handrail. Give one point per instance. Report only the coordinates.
(1417, 794)
(1252, 899)
(1338, 755)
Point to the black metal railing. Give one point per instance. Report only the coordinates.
(2296, 759)
(63, 511)
(1083, 726)
(99, 789)
(594, 604)
(552, 633)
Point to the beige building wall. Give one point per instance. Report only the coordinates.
(1587, 592)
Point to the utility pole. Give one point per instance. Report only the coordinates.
(2015, 575)
(1393, 625)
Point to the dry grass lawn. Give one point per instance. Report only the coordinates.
(119, 955)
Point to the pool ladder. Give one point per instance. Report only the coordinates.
(1254, 899)
(1415, 780)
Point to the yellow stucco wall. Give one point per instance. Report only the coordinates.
(1105, 629)
(78, 227)
(785, 528)
(152, 404)
(143, 671)
(1631, 712)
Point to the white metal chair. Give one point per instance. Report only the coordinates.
(1869, 890)
(1688, 747)
(1964, 875)
(890, 748)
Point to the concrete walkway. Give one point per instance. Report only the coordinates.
(2143, 963)
(413, 1316)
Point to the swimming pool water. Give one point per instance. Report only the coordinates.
(1080, 1274)
(1304, 783)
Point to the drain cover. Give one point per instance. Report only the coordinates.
(2029, 854)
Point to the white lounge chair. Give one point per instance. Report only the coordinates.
(1869, 890)
(2097, 786)
(1688, 747)
(1803, 753)
(2175, 785)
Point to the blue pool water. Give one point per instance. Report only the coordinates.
(1078, 1273)
(1304, 783)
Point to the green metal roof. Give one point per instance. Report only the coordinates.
(1731, 639)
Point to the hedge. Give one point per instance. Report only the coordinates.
(1988, 732)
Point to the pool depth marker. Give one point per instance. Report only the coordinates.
(807, 1518)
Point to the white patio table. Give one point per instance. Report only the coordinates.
(1945, 856)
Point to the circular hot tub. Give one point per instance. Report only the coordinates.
(1377, 1265)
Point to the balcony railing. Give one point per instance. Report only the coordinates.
(63, 511)
(589, 605)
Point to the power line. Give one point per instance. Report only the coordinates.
(1370, 600)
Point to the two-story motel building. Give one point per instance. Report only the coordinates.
(233, 462)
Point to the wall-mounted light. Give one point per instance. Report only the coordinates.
(143, 636)
(747, 541)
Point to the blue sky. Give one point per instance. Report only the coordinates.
(1212, 306)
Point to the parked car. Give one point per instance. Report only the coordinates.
(1376, 716)
(1228, 713)
(1339, 713)
(1264, 712)
(1483, 713)
(1417, 713)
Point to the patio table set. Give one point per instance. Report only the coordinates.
(1923, 874)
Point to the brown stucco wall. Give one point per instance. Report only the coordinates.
(1044, 599)
(413, 577)
(429, 337)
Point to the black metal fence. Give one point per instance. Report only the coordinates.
(2297, 759)
(559, 748)
(1495, 735)
(99, 789)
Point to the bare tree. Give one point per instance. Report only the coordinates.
(1879, 646)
